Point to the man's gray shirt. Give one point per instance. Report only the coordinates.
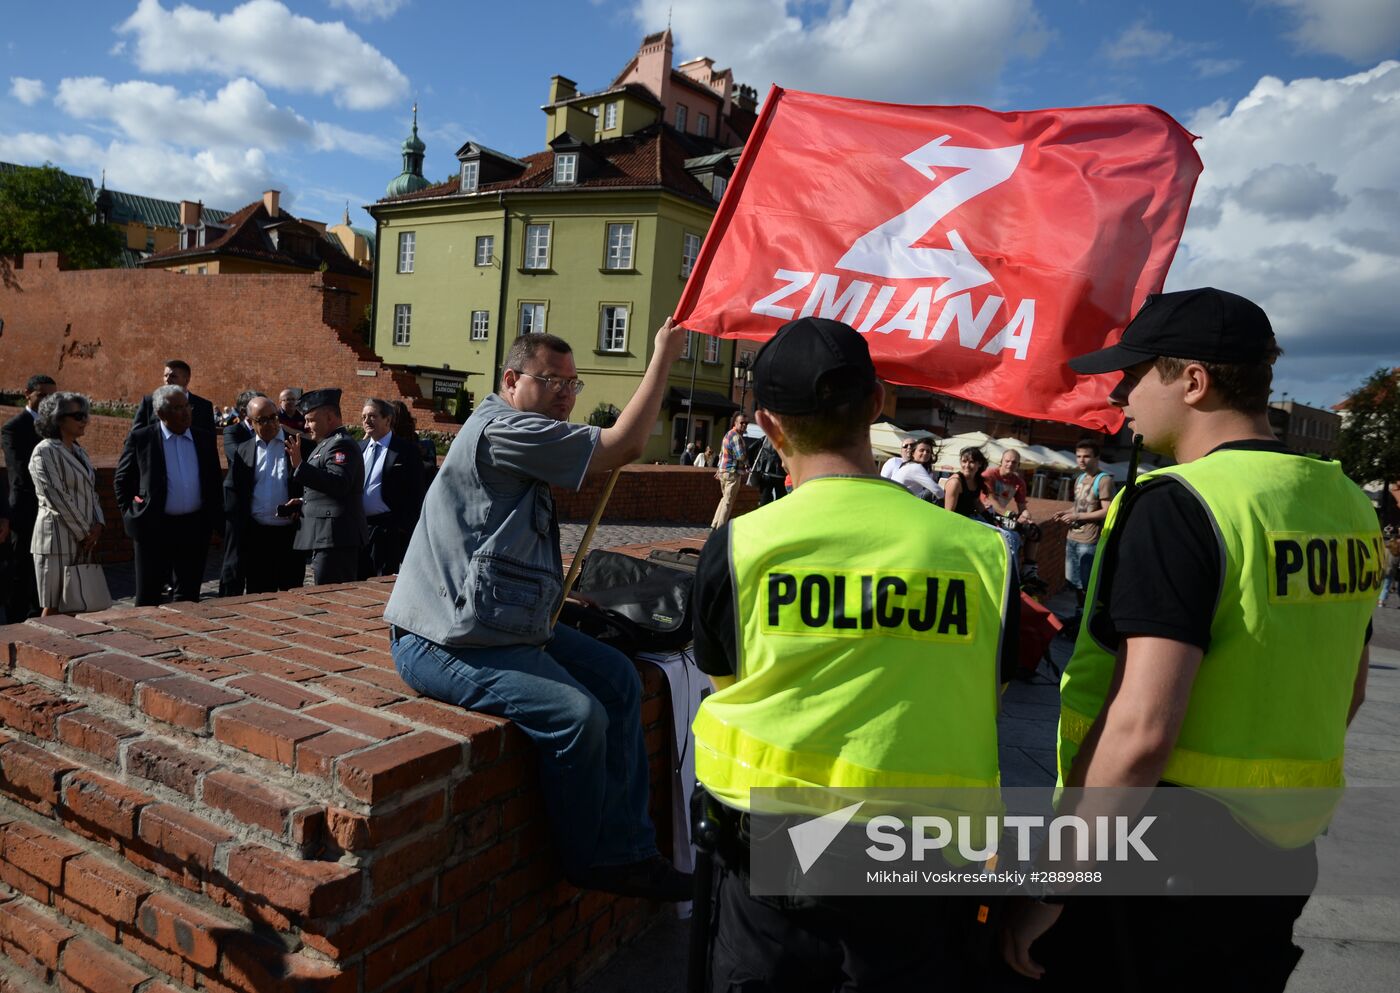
(483, 566)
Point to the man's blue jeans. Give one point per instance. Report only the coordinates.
(579, 701)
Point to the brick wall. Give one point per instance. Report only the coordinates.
(241, 796)
(107, 333)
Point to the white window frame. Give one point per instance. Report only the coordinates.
(711, 349)
(702, 124)
(688, 348)
(471, 176)
(566, 168)
(487, 242)
(408, 244)
(680, 117)
(537, 249)
(718, 186)
(538, 312)
(613, 319)
(621, 249)
(610, 116)
(689, 240)
(403, 324)
(481, 325)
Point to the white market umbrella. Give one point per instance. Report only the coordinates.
(1049, 458)
(887, 439)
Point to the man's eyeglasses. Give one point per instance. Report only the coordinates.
(266, 419)
(558, 384)
(77, 415)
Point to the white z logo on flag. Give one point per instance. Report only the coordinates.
(888, 249)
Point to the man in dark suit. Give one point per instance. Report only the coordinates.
(169, 489)
(177, 373)
(393, 494)
(231, 580)
(332, 476)
(259, 498)
(18, 438)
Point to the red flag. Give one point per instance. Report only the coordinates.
(977, 251)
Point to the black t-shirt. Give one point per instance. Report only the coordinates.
(1162, 570)
(716, 621)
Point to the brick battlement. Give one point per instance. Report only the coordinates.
(242, 795)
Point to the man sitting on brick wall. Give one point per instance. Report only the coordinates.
(471, 610)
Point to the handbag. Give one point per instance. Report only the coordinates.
(84, 587)
(654, 597)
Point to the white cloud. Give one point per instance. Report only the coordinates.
(26, 91)
(1208, 68)
(1297, 209)
(1359, 30)
(27, 148)
(265, 40)
(240, 115)
(368, 10)
(898, 50)
(1138, 41)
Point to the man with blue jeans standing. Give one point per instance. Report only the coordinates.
(470, 612)
(1093, 493)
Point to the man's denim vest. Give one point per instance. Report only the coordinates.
(481, 569)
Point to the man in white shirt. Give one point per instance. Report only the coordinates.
(393, 494)
(916, 475)
(892, 464)
(258, 494)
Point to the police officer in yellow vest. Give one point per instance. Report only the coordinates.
(1224, 647)
(852, 632)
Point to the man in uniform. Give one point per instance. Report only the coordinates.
(471, 610)
(332, 478)
(830, 670)
(1223, 648)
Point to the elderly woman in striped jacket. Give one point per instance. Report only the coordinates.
(70, 514)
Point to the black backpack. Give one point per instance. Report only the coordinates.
(647, 600)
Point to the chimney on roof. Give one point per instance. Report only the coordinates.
(270, 198)
(561, 88)
(189, 213)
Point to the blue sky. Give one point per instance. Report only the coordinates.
(1297, 102)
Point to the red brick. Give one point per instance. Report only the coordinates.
(115, 676)
(406, 951)
(320, 643)
(377, 639)
(131, 644)
(484, 732)
(24, 883)
(35, 852)
(475, 872)
(67, 624)
(462, 958)
(184, 701)
(411, 857)
(147, 627)
(370, 725)
(183, 930)
(250, 801)
(387, 678)
(102, 807)
(29, 707)
(357, 692)
(374, 922)
(315, 659)
(36, 933)
(47, 652)
(166, 763)
(258, 966)
(207, 647)
(289, 695)
(377, 659)
(182, 835)
(163, 962)
(272, 666)
(354, 831)
(251, 640)
(32, 773)
(103, 889)
(488, 784)
(311, 889)
(266, 731)
(93, 733)
(99, 971)
(208, 609)
(324, 626)
(190, 624)
(397, 765)
(316, 756)
(206, 669)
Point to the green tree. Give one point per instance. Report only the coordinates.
(1369, 444)
(43, 209)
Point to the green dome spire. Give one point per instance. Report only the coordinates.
(411, 178)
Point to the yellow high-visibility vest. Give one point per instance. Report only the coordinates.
(1301, 562)
(869, 627)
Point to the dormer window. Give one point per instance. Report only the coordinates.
(719, 186)
(610, 116)
(470, 172)
(566, 167)
(680, 117)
